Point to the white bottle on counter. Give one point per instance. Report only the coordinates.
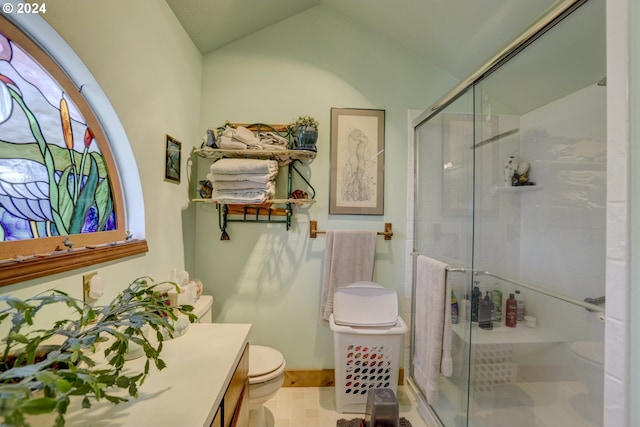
(520, 301)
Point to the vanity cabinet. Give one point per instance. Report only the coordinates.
(205, 384)
(274, 210)
(234, 410)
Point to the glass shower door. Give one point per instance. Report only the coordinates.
(443, 229)
(540, 235)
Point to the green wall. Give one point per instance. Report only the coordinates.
(306, 65)
(158, 83)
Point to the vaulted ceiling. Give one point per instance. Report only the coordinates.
(456, 35)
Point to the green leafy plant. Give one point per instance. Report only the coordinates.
(302, 121)
(37, 378)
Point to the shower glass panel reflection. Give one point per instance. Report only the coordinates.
(544, 237)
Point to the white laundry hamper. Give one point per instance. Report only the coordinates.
(367, 343)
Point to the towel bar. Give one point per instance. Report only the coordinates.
(387, 233)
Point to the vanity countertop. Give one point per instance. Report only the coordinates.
(187, 392)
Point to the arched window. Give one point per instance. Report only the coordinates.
(61, 200)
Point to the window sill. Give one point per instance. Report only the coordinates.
(22, 269)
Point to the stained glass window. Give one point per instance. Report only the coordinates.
(53, 178)
(59, 187)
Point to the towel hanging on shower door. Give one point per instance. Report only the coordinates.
(432, 326)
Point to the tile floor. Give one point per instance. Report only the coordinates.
(316, 407)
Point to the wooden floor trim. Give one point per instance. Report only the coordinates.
(318, 378)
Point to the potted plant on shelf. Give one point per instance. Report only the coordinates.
(40, 378)
(305, 132)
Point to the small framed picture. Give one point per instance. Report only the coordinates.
(357, 162)
(172, 151)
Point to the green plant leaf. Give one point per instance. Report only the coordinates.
(86, 403)
(63, 386)
(47, 377)
(17, 303)
(123, 382)
(37, 406)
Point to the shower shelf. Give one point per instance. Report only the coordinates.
(520, 189)
(504, 335)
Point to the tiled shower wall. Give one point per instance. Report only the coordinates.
(618, 284)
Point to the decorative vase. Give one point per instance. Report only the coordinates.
(305, 138)
(510, 168)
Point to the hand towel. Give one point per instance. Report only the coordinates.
(238, 166)
(349, 258)
(432, 326)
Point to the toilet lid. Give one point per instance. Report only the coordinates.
(263, 360)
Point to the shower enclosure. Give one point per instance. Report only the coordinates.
(541, 234)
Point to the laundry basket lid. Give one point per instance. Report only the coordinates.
(365, 304)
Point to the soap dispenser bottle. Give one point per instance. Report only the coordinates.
(485, 312)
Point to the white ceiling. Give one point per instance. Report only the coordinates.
(456, 35)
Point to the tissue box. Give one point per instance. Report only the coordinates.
(188, 294)
(382, 408)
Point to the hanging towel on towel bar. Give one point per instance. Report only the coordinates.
(349, 257)
(432, 326)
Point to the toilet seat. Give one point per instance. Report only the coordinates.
(265, 364)
(589, 351)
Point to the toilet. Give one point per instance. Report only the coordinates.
(588, 357)
(266, 376)
(266, 368)
(589, 364)
(203, 309)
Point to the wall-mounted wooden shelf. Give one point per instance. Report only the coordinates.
(267, 211)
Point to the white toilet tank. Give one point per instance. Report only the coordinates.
(203, 309)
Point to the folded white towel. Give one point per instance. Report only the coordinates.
(432, 326)
(349, 258)
(253, 177)
(243, 134)
(273, 147)
(242, 197)
(243, 185)
(231, 144)
(244, 166)
(273, 138)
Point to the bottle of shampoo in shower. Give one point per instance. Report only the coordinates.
(520, 301)
(454, 308)
(464, 308)
(511, 312)
(485, 312)
(475, 301)
(496, 297)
